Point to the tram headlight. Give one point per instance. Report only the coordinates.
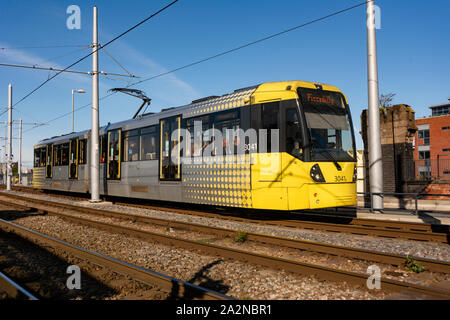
(355, 174)
(316, 173)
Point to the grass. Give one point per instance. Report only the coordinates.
(413, 265)
(240, 236)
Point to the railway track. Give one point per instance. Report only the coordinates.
(181, 288)
(326, 273)
(326, 248)
(357, 226)
(14, 290)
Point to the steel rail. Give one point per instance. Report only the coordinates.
(14, 290)
(305, 214)
(326, 248)
(390, 229)
(358, 226)
(325, 273)
(184, 289)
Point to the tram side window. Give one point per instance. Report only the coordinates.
(37, 156)
(57, 155)
(43, 157)
(294, 143)
(131, 142)
(269, 115)
(170, 162)
(103, 148)
(197, 143)
(82, 151)
(227, 121)
(65, 154)
(40, 157)
(149, 148)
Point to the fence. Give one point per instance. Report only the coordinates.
(428, 169)
(414, 196)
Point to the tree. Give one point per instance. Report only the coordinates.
(15, 169)
(386, 99)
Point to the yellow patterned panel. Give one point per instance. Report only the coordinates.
(224, 184)
(38, 177)
(229, 101)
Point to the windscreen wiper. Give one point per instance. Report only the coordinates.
(330, 156)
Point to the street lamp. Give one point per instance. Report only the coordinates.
(73, 91)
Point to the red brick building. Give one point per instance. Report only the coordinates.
(432, 144)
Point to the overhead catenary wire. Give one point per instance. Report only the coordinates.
(46, 47)
(254, 42)
(91, 53)
(115, 60)
(66, 54)
(224, 53)
(62, 70)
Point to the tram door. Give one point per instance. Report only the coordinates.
(169, 159)
(73, 159)
(113, 164)
(49, 171)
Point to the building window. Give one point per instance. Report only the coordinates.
(446, 150)
(425, 175)
(423, 155)
(442, 110)
(445, 128)
(425, 136)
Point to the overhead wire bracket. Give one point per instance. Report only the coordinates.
(135, 93)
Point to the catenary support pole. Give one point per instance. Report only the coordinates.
(20, 152)
(9, 150)
(375, 155)
(73, 111)
(5, 148)
(95, 167)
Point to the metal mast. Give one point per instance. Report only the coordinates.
(8, 159)
(20, 151)
(95, 167)
(375, 155)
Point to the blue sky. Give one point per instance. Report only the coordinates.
(413, 53)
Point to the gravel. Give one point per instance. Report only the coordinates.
(43, 272)
(438, 251)
(234, 278)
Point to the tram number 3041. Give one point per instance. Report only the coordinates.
(250, 146)
(340, 179)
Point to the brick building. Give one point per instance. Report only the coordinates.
(432, 144)
(397, 131)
